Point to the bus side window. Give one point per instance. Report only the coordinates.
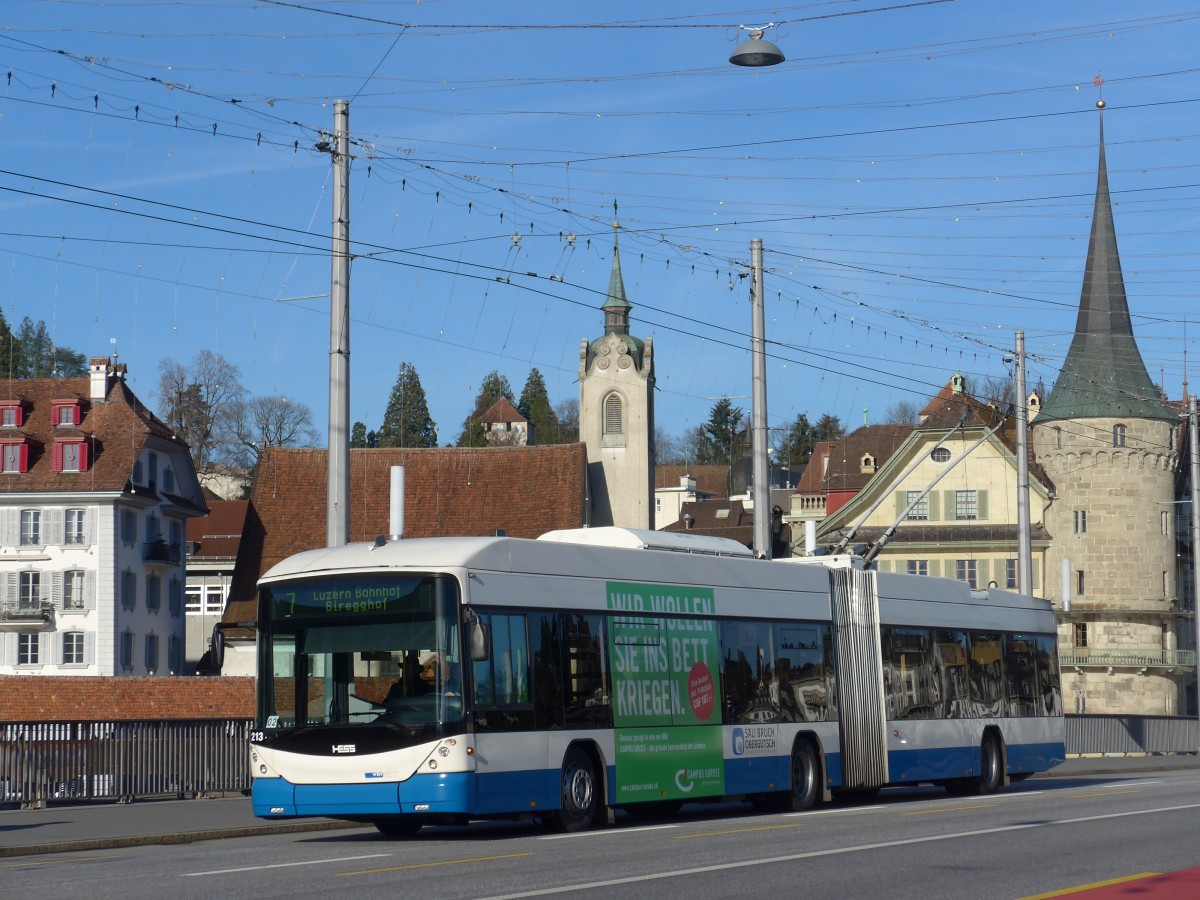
(503, 678)
(546, 637)
(587, 697)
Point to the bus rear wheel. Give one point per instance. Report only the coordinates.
(991, 765)
(580, 794)
(805, 772)
(398, 826)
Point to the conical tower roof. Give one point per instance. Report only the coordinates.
(616, 299)
(1104, 375)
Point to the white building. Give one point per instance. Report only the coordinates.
(95, 493)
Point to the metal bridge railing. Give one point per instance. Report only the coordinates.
(1131, 734)
(76, 761)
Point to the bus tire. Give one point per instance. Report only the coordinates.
(805, 772)
(398, 826)
(991, 765)
(579, 793)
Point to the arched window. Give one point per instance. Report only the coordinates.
(613, 415)
(1118, 435)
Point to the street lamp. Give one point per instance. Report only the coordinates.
(755, 52)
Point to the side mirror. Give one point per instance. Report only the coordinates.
(479, 640)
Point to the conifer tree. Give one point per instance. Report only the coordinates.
(535, 407)
(406, 421)
(494, 387)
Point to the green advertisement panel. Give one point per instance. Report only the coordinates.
(665, 674)
(669, 764)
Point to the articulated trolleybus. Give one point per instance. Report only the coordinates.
(439, 680)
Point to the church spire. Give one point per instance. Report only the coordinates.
(1103, 375)
(616, 307)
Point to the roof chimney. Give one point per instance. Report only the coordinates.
(100, 369)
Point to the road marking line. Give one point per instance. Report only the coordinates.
(603, 832)
(946, 809)
(1103, 794)
(829, 812)
(430, 865)
(56, 862)
(684, 837)
(839, 851)
(307, 862)
(1088, 887)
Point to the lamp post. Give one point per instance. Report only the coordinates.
(756, 53)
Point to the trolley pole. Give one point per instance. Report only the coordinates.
(758, 407)
(337, 498)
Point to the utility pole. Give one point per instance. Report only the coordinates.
(337, 498)
(1195, 472)
(1024, 535)
(758, 407)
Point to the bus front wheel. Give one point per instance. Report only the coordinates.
(580, 800)
(398, 826)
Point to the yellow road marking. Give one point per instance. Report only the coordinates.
(1105, 794)
(932, 812)
(429, 865)
(1088, 887)
(55, 862)
(682, 837)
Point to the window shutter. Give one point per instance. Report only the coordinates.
(23, 457)
(932, 504)
(612, 414)
(8, 532)
(981, 573)
(58, 455)
(45, 647)
(89, 648)
(901, 502)
(83, 456)
(56, 589)
(11, 589)
(8, 648)
(1037, 578)
(981, 507)
(935, 568)
(950, 507)
(89, 590)
(54, 521)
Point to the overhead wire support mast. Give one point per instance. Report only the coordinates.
(337, 498)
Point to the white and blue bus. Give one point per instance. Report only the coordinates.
(439, 680)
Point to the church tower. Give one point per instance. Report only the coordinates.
(616, 414)
(1110, 444)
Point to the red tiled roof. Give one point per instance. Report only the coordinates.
(115, 432)
(502, 411)
(845, 459)
(526, 491)
(56, 698)
(220, 532)
(812, 479)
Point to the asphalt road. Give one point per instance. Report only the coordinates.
(1046, 835)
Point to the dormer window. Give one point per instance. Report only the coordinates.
(15, 457)
(867, 463)
(64, 413)
(12, 414)
(70, 456)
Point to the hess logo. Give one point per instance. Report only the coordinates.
(344, 748)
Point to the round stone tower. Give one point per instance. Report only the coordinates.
(1109, 443)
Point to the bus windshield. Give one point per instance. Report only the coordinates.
(379, 651)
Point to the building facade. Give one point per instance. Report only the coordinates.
(94, 496)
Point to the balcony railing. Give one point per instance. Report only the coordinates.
(26, 611)
(161, 552)
(1148, 658)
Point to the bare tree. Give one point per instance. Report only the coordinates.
(903, 412)
(196, 403)
(270, 421)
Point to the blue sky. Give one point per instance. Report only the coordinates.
(921, 175)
